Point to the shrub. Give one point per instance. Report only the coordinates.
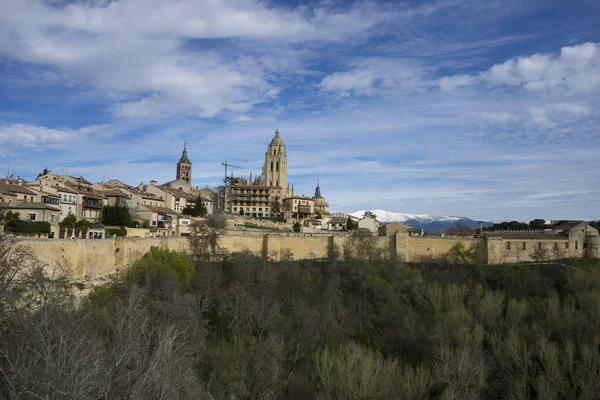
(157, 262)
(28, 226)
(121, 231)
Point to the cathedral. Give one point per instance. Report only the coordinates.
(274, 170)
(268, 194)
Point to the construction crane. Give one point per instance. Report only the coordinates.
(226, 164)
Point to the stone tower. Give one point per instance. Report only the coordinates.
(274, 171)
(184, 167)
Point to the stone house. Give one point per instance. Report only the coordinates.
(391, 228)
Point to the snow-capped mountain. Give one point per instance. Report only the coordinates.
(425, 221)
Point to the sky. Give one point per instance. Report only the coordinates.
(486, 109)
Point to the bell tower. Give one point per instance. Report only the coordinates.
(184, 166)
(274, 171)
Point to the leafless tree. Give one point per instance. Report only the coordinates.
(205, 235)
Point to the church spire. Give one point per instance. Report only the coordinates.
(184, 157)
(318, 190)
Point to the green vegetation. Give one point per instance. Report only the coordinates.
(535, 224)
(14, 224)
(248, 328)
(70, 221)
(198, 210)
(121, 231)
(116, 215)
(158, 262)
(351, 225)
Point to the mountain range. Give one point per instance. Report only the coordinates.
(425, 221)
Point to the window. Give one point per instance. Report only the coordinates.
(566, 245)
(32, 216)
(234, 208)
(277, 166)
(540, 245)
(52, 217)
(576, 245)
(555, 245)
(507, 245)
(524, 246)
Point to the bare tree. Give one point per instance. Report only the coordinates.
(205, 235)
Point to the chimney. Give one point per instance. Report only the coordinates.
(153, 182)
(141, 187)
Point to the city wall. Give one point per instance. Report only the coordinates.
(90, 258)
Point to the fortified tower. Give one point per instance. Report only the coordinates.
(184, 167)
(274, 171)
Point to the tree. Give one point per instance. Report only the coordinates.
(69, 221)
(205, 235)
(537, 224)
(351, 225)
(369, 214)
(116, 215)
(44, 172)
(459, 229)
(275, 205)
(198, 210)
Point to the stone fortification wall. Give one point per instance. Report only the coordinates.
(95, 258)
(423, 247)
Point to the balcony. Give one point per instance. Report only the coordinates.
(91, 203)
(51, 200)
(304, 210)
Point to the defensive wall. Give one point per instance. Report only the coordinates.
(100, 257)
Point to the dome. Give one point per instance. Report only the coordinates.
(277, 140)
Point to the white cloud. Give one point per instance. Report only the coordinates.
(550, 115)
(456, 81)
(375, 75)
(34, 136)
(576, 69)
(150, 55)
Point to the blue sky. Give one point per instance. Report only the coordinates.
(485, 109)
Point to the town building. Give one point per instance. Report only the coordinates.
(299, 207)
(321, 205)
(161, 220)
(249, 200)
(368, 224)
(392, 228)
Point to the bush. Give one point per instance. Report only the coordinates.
(116, 215)
(28, 226)
(158, 262)
(121, 231)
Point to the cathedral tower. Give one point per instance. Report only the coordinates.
(184, 167)
(274, 171)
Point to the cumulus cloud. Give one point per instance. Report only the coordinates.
(34, 136)
(576, 69)
(151, 54)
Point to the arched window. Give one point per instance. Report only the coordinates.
(277, 166)
(271, 166)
